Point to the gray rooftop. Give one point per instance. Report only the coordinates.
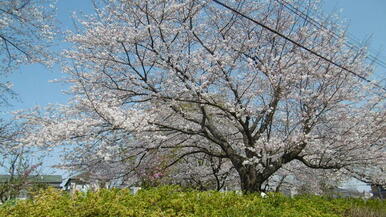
(36, 178)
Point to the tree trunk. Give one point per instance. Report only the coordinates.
(249, 179)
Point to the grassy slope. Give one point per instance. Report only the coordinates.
(173, 201)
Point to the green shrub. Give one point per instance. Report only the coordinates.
(175, 201)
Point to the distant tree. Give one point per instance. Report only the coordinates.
(19, 171)
(296, 178)
(191, 78)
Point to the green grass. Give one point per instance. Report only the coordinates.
(174, 201)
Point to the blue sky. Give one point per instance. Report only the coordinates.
(365, 18)
(366, 21)
(31, 82)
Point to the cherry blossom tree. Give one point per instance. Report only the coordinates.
(26, 29)
(296, 178)
(203, 172)
(190, 78)
(17, 164)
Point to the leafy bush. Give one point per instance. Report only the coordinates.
(174, 201)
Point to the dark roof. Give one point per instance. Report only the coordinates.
(81, 178)
(37, 178)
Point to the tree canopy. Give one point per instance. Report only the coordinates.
(165, 82)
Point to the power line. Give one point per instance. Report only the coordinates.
(296, 43)
(357, 43)
(312, 21)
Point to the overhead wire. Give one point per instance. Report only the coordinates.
(297, 43)
(317, 24)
